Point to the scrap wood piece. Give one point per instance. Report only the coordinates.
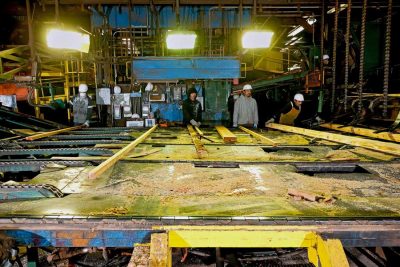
(50, 133)
(120, 154)
(385, 147)
(341, 155)
(200, 149)
(258, 136)
(303, 195)
(363, 131)
(372, 154)
(226, 135)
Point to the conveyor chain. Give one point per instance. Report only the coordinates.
(55, 151)
(99, 136)
(85, 132)
(62, 143)
(37, 165)
(51, 188)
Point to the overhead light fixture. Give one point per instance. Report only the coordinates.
(68, 40)
(181, 40)
(311, 20)
(257, 39)
(341, 8)
(296, 31)
(291, 40)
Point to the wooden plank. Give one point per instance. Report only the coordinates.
(200, 132)
(120, 154)
(47, 134)
(160, 251)
(226, 135)
(258, 136)
(390, 148)
(200, 149)
(363, 131)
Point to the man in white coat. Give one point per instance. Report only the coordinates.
(245, 112)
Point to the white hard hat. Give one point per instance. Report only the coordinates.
(299, 97)
(149, 87)
(247, 87)
(83, 88)
(324, 57)
(117, 89)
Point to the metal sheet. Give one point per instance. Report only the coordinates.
(167, 68)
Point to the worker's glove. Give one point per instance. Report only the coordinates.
(319, 120)
(269, 121)
(255, 126)
(193, 122)
(235, 126)
(86, 124)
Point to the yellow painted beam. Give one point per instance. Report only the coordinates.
(258, 136)
(331, 253)
(200, 149)
(160, 252)
(313, 255)
(363, 131)
(120, 154)
(47, 134)
(240, 239)
(385, 147)
(226, 135)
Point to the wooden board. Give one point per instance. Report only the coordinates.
(200, 149)
(120, 154)
(386, 147)
(47, 134)
(363, 132)
(226, 135)
(258, 136)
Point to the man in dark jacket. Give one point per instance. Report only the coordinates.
(191, 109)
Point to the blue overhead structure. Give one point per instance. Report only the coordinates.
(172, 68)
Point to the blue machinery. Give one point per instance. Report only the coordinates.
(212, 78)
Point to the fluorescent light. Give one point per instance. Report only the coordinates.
(291, 40)
(333, 9)
(257, 39)
(296, 31)
(181, 40)
(68, 40)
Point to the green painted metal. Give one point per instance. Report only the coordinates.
(216, 99)
(261, 84)
(373, 46)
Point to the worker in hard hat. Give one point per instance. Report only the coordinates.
(192, 109)
(289, 113)
(82, 106)
(245, 111)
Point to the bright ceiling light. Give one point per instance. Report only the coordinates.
(341, 8)
(296, 31)
(257, 39)
(181, 40)
(68, 40)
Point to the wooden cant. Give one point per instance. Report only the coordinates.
(385, 147)
(258, 136)
(362, 131)
(226, 135)
(200, 149)
(119, 155)
(50, 133)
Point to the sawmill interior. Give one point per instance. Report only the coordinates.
(199, 133)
